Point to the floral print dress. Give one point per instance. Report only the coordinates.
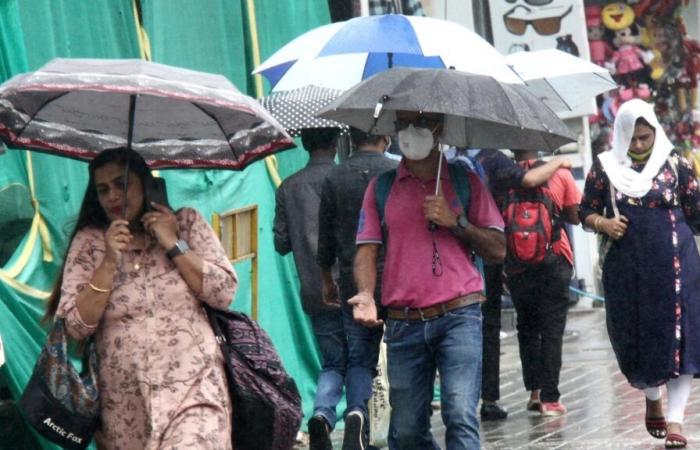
(161, 374)
(651, 275)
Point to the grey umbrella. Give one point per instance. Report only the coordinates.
(297, 108)
(479, 111)
(173, 117)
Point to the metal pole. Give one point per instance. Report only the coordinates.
(364, 8)
(129, 139)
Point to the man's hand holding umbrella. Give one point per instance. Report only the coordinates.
(437, 211)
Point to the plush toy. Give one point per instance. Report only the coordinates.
(599, 47)
(657, 43)
(629, 58)
(617, 16)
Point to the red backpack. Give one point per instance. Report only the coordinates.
(532, 226)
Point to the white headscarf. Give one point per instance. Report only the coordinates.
(617, 164)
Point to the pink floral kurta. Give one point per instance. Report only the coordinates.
(161, 375)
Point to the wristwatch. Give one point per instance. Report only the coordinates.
(462, 223)
(180, 248)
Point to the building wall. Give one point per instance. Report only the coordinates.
(691, 15)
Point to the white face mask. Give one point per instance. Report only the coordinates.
(415, 143)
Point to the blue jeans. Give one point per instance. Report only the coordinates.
(450, 344)
(330, 335)
(363, 353)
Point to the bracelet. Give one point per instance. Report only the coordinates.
(596, 222)
(100, 290)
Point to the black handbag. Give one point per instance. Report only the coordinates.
(266, 402)
(60, 403)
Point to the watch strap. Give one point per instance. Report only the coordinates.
(178, 249)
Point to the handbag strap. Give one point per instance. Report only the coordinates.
(88, 355)
(218, 333)
(613, 201)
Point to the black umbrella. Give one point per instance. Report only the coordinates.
(297, 108)
(480, 112)
(173, 117)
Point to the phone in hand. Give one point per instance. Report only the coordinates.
(155, 191)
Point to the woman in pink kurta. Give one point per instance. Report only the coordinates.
(135, 286)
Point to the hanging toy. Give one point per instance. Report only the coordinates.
(599, 48)
(657, 45)
(617, 16)
(629, 58)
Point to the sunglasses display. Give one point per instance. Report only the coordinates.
(533, 2)
(544, 26)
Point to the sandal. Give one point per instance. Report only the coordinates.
(535, 405)
(676, 440)
(656, 426)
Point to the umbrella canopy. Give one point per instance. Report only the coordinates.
(297, 109)
(173, 117)
(342, 54)
(479, 111)
(561, 80)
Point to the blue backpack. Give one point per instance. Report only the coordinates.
(458, 177)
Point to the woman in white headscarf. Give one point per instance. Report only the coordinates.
(642, 196)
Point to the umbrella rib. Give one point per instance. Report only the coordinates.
(546, 80)
(31, 118)
(218, 124)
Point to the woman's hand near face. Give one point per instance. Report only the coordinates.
(162, 224)
(117, 239)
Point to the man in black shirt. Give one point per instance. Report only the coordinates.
(295, 229)
(341, 201)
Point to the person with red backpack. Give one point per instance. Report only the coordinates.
(539, 266)
(500, 173)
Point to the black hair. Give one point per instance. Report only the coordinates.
(91, 213)
(644, 122)
(360, 138)
(319, 138)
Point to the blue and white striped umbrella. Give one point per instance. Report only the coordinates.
(340, 55)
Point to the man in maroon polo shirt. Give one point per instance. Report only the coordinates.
(430, 287)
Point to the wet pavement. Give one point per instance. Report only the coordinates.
(604, 412)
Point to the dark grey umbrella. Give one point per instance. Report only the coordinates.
(297, 108)
(173, 117)
(480, 112)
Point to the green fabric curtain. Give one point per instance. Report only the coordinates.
(210, 35)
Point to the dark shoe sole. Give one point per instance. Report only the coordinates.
(319, 436)
(353, 439)
(492, 412)
(491, 416)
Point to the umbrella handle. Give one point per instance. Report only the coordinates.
(432, 225)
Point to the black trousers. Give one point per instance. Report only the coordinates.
(540, 296)
(491, 330)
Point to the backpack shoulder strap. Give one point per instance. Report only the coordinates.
(460, 183)
(381, 191)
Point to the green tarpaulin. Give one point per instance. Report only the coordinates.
(210, 35)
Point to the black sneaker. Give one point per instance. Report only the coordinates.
(319, 434)
(354, 438)
(492, 411)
